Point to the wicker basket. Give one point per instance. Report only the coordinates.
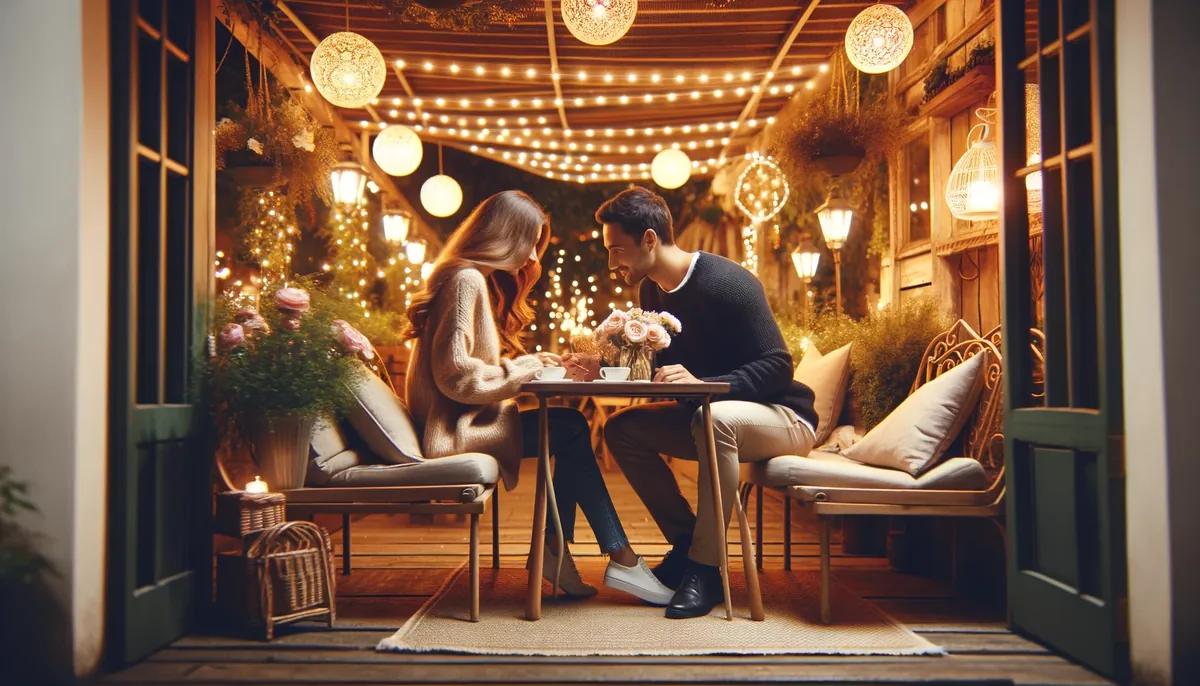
(286, 575)
(240, 513)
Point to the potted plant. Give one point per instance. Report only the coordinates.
(275, 370)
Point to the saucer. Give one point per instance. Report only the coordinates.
(552, 381)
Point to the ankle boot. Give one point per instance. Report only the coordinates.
(569, 580)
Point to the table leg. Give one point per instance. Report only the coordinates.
(750, 567)
(718, 511)
(533, 604)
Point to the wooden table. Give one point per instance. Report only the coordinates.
(704, 392)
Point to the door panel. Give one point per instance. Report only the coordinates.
(159, 564)
(1063, 429)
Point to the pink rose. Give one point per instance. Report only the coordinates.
(657, 337)
(293, 300)
(352, 339)
(252, 322)
(635, 331)
(615, 323)
(232, 335)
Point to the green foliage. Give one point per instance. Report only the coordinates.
(381, 327)
(19, 560)
(888, 345)
(941, 76)
(281, 371)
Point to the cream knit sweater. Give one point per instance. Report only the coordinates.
(460, 391)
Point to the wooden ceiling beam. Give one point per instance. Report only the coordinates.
(779, 57)
(562, 112)
(276, 57)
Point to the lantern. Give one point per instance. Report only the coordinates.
(835, 216)
(761, 190)
(598, 22)
(671, 168)
(441, 195)
(348, 70)
(806, 258)
(973, 189)
(1033, 147)
(396, 224)
(397, 150)
(415, 252)
(426, 270)
(349, 182)
(879, 39)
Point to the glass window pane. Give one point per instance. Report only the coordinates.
(918, 189)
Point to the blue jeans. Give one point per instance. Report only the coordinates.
(577, 477)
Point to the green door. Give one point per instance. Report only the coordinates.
(1063, 419)
(159, 559)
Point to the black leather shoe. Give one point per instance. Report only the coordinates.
(674, 563)
(698, 593)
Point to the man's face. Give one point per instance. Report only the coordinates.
(630, 258)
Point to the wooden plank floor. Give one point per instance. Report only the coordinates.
(399, 563)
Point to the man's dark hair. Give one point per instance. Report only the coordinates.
(636, 209)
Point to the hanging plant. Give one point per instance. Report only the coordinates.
(837, 133)
(941, 76)
(459, 15)
(276, 130)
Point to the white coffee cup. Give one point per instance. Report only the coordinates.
(614, 373)
(552, 373)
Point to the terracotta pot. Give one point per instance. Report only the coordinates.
(839, 165)
(280, 445)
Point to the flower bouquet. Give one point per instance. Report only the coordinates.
(275, 370)
(630, 339)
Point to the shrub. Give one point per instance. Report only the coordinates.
(888, 345)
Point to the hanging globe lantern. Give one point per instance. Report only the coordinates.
(598, 22)
(879, 39)
(973, 189)
(441, 196)
(348, 70)
(397, 150)
(671, 168)
(761, 190)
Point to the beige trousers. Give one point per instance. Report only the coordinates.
(743, 432)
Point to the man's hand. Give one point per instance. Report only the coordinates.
(674, 373)
(582, 367)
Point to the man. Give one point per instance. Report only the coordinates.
(729, 335)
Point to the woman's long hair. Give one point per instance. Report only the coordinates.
(497, 238)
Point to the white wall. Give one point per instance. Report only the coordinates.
(54, 280)
(1157, 151)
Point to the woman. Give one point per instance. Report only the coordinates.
(468, 364)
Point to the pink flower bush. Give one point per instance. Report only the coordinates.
(232, 335)
(352, 339)
(635, 331)
(657, 337)
(292, 300)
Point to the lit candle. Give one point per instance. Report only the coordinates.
(256, 486)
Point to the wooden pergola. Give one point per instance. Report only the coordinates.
(704, 76)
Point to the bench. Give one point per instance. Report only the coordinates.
(969, 484)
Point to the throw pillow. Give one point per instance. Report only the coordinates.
(382, 421)
(827, 376)
(913, 437)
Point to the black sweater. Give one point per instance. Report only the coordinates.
(730, 335)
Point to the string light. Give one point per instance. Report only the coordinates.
(351, 265)
(488, 71)
(269, 228)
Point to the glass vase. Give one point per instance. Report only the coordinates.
(638, 359)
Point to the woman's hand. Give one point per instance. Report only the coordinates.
(582, 367)
(549, 359)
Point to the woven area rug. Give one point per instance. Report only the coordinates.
(614, 623)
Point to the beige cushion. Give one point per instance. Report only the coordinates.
(328, 438)
(835, 471)
(382, 421)
(468, 468)
(827, 376)
(321, 470)
(914, 436)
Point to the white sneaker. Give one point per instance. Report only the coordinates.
(638, 581)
